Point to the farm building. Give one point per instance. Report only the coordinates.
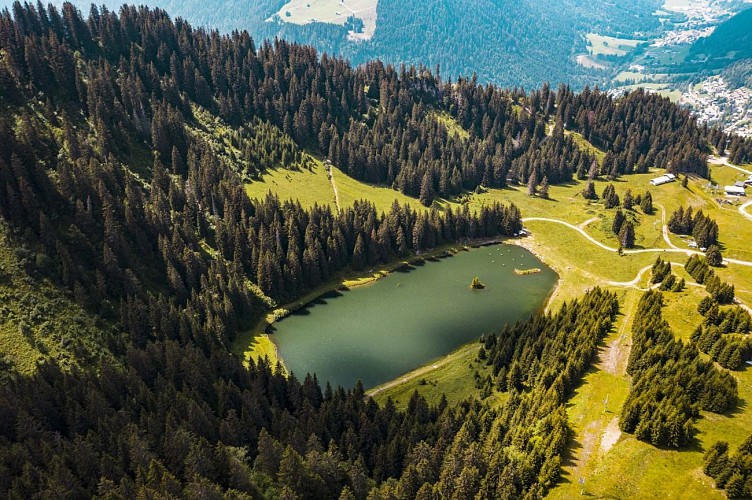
(734, 191)
(664, 179)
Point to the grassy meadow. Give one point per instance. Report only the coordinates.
(613, 464)
(610, 46)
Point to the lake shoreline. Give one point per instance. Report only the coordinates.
(530, 247)
(242, 345)
(428, 367)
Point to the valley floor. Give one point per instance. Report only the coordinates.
(574, 237)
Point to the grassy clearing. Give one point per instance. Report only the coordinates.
(585, 145)
(313, 187)
(596, 404)
(610, 46)
(631, 76)
(588, 62)
(331, 12)
(453, 376)
(453, 128)
(663, 89)
(680, 309)
(288, 184)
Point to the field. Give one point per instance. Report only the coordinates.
(612, 464)
(610, 46)
(588, 62)
(638, 77)
(663, 89)
(313, 187)
(332, 12)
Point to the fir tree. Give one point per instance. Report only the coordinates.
(627, 235)
(646, 204)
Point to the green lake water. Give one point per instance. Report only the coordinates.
(403, 321)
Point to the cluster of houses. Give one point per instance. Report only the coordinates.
(738, 189)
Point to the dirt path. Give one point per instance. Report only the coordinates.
(330, 174)
(743, 210)
(588, 222)
(423, 370)
(600, 435)
(610, 435)
(614, 360)
(635, 281)
(628, 252)
(665, 229)
(723, 160)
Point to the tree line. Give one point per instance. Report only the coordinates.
(703, 229)
(661, 275)
(720, 291)
(731, 472)
(719, 336)
(375, 121)
(670, 382)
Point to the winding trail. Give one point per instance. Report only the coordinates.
(743, 210)
(665, 229)
(330, 174)
(629, 252)
(585, 224)
(723, 160)
(635, 281)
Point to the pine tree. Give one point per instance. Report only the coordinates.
(618, 222)
(544, 188)
(532, 181)
(589, 192)
(627, 235)
(713, 256)
(359, 254)
(426, 190)
(628, 200)
(646, 204)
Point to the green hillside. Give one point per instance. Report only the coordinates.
(502, 41)
(731, 41)
(38, 322)
(167, 193)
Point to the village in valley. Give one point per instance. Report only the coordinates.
(715, 102)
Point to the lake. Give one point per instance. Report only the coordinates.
(405, 320)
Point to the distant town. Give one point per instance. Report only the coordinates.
(715, 102)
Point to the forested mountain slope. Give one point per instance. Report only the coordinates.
(739, 74)
(505, 42)
(731, 41)
(119, 193)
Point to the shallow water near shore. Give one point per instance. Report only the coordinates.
(377, 332)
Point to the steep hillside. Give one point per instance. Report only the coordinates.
(502, 41)
(133, 258)
(731, 41)
(739, 74)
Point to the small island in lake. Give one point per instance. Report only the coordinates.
(476, 284)
(525, 272)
